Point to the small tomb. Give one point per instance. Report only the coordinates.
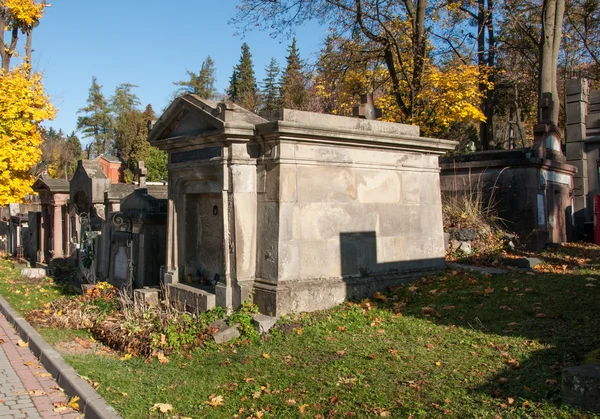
(299, 212)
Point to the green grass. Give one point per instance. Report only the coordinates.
(25, 294)
(451, 345)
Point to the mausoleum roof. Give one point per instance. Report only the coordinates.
(46, 183)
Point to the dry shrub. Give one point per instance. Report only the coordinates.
(80, 312)
(143, 331)
(472, 208)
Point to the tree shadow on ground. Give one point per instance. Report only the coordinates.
(558, 313)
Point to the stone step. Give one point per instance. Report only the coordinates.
(188, 298)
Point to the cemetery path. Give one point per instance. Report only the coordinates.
(27, 390)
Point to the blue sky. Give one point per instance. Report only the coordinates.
(148, 43)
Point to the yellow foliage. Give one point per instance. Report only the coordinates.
(24, 13)
(23, 106)
(448, 96)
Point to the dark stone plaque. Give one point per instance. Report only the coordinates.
(194, 155)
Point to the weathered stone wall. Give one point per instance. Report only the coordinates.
(529, 195)
(338, 220)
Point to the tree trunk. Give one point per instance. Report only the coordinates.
(552, 17)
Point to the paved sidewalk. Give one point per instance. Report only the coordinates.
(27, 390)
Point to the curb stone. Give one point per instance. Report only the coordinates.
(92, 405)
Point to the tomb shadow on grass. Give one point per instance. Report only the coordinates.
(557, 314)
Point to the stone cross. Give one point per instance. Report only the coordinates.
(141, 172)
(367, 108)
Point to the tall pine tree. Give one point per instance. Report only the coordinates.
(293, 81)
(201, 84)
(242, 84)
(95, 123)
(270, 98)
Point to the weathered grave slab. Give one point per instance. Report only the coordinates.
(33, 273)
(146, 297)
(263, 323)
(226, 334)
(581, 386)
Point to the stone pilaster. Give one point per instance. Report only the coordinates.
(577, 96)
(57, 236)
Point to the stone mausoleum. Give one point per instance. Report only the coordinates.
(298, 212)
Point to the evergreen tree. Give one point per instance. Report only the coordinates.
(270, 87)
(201, 84)
(242, 85)
(127, 121)
(96, 121)
(149, 115)
(293, 81)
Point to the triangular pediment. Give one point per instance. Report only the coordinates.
(187, 116)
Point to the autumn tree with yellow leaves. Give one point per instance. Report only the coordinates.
(23, 103)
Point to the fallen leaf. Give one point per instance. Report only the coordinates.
(62, 409)
(74, 403)
(540, 315)
(215, 401)
(126, 357)
(413, 288)
(503, 380)
(380, 296)
(489, 290)
(341, 328)
(291, 402)
(590, 285)
(511, 400)
(438, 363)
(551, 382)
(266, 356)
(36, 393)
(341, 352)
(161, 407)
(43, 374)
(22, 343)
(124, 394)
(85, 343)
(303, 408)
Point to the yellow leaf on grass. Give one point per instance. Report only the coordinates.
(266, 356)
(215, 401)
(161, 407)
(126, 357)
(302, 408)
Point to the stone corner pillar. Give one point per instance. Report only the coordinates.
(57, 236)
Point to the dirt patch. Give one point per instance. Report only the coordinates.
(82, 347)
